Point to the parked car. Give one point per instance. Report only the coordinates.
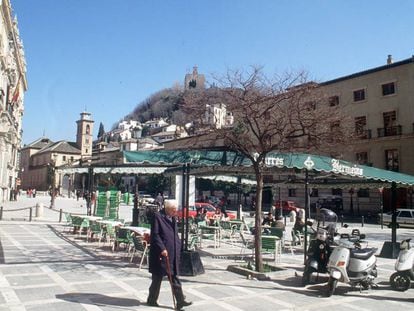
(147, 199)
(405, 217)
(208, 208)
(287, 207)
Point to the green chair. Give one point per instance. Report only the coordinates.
(84, 226)
(109, 235)
(194, 242)
(68, 222)
(76, 223)
(272, 245)
(122, 236)
(95, 231)
(139, 247)
(247, 243)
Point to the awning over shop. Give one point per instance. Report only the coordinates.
(137, 170)
(199, 158)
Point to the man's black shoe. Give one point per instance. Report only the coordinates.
(152, 303)
(182, 304)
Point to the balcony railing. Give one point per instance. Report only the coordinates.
(390, 131)
(364, 134)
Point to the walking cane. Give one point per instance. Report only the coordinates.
(170, 279)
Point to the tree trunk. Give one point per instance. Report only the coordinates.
(258, 222)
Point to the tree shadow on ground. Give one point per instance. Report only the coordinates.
(102, 300)
(99, 299)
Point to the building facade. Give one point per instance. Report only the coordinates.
(41, 158)
(380, 103)
(13, 85)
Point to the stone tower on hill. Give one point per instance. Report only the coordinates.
(194, 80)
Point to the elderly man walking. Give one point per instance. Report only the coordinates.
(165, 245)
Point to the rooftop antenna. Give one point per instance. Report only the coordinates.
(44, 133)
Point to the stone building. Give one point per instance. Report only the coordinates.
(380, 101)
(194, 80)
(40, 159)
(13, 85)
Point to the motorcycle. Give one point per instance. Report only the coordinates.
(351, 264)
(318, 256)
(401, 280)
(320, 248)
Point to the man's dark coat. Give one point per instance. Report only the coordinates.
(164, 235)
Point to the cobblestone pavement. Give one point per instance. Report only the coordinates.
(44, 268)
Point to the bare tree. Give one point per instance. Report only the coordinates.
(284, 113)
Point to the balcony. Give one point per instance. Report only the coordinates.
(364, 134)
(390, 131)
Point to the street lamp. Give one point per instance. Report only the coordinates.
(52, 168)
(381, 191)
(351, 205)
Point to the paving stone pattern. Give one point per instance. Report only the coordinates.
(42, 269)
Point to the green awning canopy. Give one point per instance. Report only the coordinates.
(200, 158)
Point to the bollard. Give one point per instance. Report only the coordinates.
(1, 212)
(39, 209)
(60, 215)
(30, 214)
(362, 221)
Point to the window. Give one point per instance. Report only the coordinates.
(389, 119)
(71, 159)
(333, 101)
(388, 88)
(360, 125)
(337, 191)
(88, 129)
(359, 95)
(391, 160)
(363, 193)
(292, 192)
(314, 193)
(362, 157)
(63, 158)
(406, 214)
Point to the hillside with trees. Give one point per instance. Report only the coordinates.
(162, 104)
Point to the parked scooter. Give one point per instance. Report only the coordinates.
(351, 264)
(318, 256)
(320, 248)
(401, 280)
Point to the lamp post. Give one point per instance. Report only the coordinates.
(351, 204)
(52, 168)
(381, 190)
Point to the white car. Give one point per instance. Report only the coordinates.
(147, 198)
(405, 217)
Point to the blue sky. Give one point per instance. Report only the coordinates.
(107, 56)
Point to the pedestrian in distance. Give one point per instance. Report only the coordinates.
(165, 246)
(159, 200)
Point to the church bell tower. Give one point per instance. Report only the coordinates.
(84, 134)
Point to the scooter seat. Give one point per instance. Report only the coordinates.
(363, 253)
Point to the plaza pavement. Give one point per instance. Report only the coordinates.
(42, 268)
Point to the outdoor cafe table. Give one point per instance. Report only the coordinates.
(89, 217)
(113, 223)
(139, 230)
(210, 230)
